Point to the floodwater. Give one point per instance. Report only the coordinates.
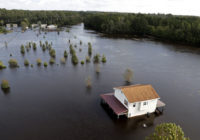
(53, 103)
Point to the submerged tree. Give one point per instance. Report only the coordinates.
(5, 84)
(87, 59)
(96, 58)
(167, 131)
(128, 75)
(22, 50)
(13, 63)
(103, 60)
(65, 54)
(52, 53)
(39, 62)
(45, 64)
(89, 49)
(2, 66)
(26, 62)
(51, 61)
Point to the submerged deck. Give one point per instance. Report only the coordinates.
(114, 104)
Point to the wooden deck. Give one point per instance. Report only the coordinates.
(160, 104)
(117, 107)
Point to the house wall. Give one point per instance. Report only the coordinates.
(121, 97)
(141, 109)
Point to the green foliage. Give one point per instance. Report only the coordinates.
(71, 49)
(39, 62)
(34, 46)
(2, 66)
(51, 61)
(81, 42)
(87, 59)
(43, 47)
(5, 84)
(74, 59)
(65, 54)
(52, 53)
(183, 29)
(128, 75)
(103, 59)
(82, 62)
(96, 58)
(63, 60)
(167, 131)
(26, 62)
(89, 49)
(22, 50)
(13, 63)
(45, 64)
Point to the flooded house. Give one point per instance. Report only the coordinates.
(34, 25)
(52, 27)
(15, 25)
(8, 26)
(133, 100)
(43, 26)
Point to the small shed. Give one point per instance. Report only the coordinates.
(52, 27)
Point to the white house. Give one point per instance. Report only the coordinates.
(15, 25)
(133, 100)
(52, 27)
(43, 26)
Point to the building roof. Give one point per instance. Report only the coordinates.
(137, 93)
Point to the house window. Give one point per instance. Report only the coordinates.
(145, 103)
(125, 102)
(134, 105)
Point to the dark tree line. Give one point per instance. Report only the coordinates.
(184, 29)
(60, 18)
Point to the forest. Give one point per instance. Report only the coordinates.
(180, 29)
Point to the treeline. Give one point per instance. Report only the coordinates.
(183, 29)
(60, 18)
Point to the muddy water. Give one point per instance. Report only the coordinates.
(52, 103)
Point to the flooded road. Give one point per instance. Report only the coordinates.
(53, 103)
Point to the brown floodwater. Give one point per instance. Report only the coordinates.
(53, 103)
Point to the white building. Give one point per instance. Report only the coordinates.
(133, 100)
(8, 26)
(52, 27)
(43, 26)
(34, 26)
(15, 25)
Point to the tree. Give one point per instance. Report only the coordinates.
(13, 63)
(167, 131)
(128, 75)
(2, 66)
(5, 84)
(23, 25)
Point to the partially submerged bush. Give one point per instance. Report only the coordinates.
(103, 59)
(34, 46)
(51, 61)
(13, 63)
(63, 60)
(22, 50)
(128, 75)
(45, 64)
(87, 59)
(89, 49)
(80, 49)
(80, 42)
(96, 58)
(82, 62)
(5, 84)
(26, 62)
(52, 53)
(2, 66)
(39, 62)
(65, 54)
(74, 59)
(43, 47)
